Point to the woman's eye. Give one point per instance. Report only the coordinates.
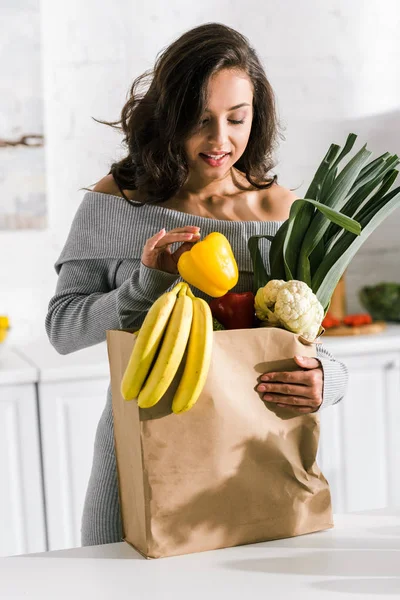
(232, 121)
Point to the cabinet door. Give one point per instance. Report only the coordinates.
(22, 523)
(359, 446)
(70, 412)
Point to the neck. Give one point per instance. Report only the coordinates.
(201, 190)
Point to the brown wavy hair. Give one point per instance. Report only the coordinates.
(166, 103)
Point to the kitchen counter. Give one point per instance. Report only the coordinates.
(14, 369)
(92, 362)
(385, 341)
(88, 363)
(358, 558)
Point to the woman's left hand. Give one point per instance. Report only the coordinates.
(300, 390)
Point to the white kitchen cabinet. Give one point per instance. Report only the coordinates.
(72, 395)
(69, 412)
(22, 518)
(359, 449)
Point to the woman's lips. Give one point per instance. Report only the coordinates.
(214, 162)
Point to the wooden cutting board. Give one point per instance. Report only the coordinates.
(375, 327)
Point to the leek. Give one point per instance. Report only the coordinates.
(325, 229)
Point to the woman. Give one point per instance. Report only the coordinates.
(199, 146)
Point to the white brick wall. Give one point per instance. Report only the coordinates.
(333, 66)
(22, 183)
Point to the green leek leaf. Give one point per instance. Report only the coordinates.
(335, 199)
(276, 252)
(291, 243)
(322, 171)
(261, 276)
(356, 203)
(336, 261)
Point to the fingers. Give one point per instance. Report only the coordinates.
(152, 242)
(157, 252)
(307, 362)
(287, 384)
(303, 410)
(298, 403)
(170, 238)
(299, 390)
(162, 239)
(295, 377)
(293, 401)
(290, 394)
(187, 228)
(286, 389)
(183, 248)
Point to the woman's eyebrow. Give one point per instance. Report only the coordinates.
(232, 107)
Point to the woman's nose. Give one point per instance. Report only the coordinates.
(218, 134)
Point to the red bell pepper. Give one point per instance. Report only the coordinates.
(234, 311)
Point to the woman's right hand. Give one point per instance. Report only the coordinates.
(157, 250)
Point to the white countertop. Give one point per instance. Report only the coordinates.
(359, 558)
(88, 363)
(92, 363)
(14, 369)
(386, 341)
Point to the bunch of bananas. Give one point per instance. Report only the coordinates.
(176, 321)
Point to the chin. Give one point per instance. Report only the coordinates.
(216, 172)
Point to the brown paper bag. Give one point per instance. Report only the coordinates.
(232, 470)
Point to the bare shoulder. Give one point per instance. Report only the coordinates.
(279, 193)
(107, 185)
(278, 201)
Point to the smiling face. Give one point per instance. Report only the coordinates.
(224, 128)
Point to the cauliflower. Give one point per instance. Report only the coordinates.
(292, 305)
(265, 300)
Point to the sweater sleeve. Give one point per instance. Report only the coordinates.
(335, 378)
(86, 303)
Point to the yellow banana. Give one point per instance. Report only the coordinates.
(147, 342)
(198, 357)
(171, 352)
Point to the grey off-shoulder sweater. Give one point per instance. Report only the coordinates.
(102, 284)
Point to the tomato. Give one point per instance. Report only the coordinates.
(357, 319)
(330, 321)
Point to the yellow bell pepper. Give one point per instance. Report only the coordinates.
(210, 265)
(4, 322)
(4, 327)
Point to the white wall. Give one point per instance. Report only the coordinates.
(333, 65)
(22, 177)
